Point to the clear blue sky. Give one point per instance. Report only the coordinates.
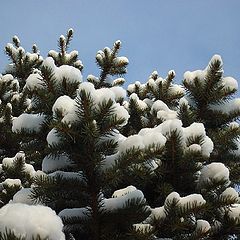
(156, 34)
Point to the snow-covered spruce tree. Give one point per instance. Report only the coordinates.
(152, 103)
(22, 63)
(63, 57)
(43, 87)
(91, 167)
(210, 100)
(110, 65)
(13, 97)
(27, 112)
(83, 142)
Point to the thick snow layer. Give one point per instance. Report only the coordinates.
(52, 137)
(24, 196)
(141, 104)
(122, 197)
(49, 63)
(103, 94)
(203, 225)
(121, 113)
(106, 94)
(118, 81)
(70, 73)
(12, 182)
(120, 61)
(230, 82)
(176, 89)
(109, 161)
(34, 82)
(230, 192)
(28, 122)
(123, 191)
(191, 77)
(52, 163)
(28, 168)
(157, 213)
(173, 196)
(195, 130)
(163, 112)
(145, 138)
(214, 171)
(119, 92)
(161, 213)
(169, 126)
(64, 105)
(234, 212)
(82, 213)
(192, 199)
(30, 221)
(182, 201)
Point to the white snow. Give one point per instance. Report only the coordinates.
(123, 191)
(203, 225)
(82, 213)
(49, 63)
(34, 82)
(12, 182)
(118, 81)
(121, 113)
(163, 112)
(214, 171)
(234, 212)
(230, 192)
(173, 196)
(23, 196)
(92, 78)
(72, 74)
(30, 221)
(230, 82)
(52, 163)
(52, 137)
(143, 227)
(121, 197)
(157, 213)
(168, 126)
(192, 199)
(103, 94)
(120, 61)
(191, 77)
(28, 168)
(119, 92)
(64, 105)
(141, 104)
(28, 122)
(176, 89)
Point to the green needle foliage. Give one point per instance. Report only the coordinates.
(156, 161)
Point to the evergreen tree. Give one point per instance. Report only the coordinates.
(210, 100)
(143, 167)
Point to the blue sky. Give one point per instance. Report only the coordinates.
(156, 34)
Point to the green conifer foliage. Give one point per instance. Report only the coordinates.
(22, 63)
(110, 65)
(63, 57)
(210, 100)
(143, 167)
